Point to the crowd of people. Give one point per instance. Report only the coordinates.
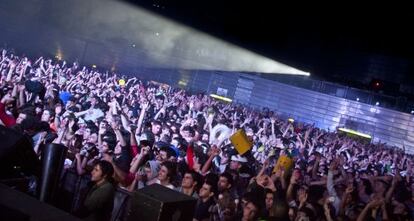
(128, 133)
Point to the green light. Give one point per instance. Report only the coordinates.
(355, 132)
(221, 97)
(182, 83)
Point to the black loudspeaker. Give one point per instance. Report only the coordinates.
(17, 155)
(53, 158)
(17, 206)
(157, 202)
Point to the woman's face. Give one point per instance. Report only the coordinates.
(163, 174)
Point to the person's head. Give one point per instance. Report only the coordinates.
(167, 172)
(188, 131)
(102, 171)
(250, 211)
(225, 182)
(208, 189)
(156, 127)
(279, 210)
(166, 154)
(304, 214)
(94, 101)
(191, 180)
(20, 118)
(227, 206)
(166, 130)
(237, 162)
(151, 169)
(47, 115)
(269, 199)
(145, 139)
(108, 143)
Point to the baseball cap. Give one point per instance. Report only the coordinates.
(239, 158)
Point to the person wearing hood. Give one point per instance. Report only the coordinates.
(146, 175)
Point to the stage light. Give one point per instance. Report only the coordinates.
(221, 97)
(377, 103)
(355, 132)
(182, 83)
(94, 66)
(357, 99)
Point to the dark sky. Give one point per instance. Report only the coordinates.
(325, 40)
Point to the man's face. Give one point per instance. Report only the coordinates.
(186, 133)
(93, 138)
(223, 183)
(234, 165)
(188, 181)
(249, 211)
(20, 118)
(269, 200)
(162, 156)
(205, 191)
(105, 147)
(86, 133)
(156, 129)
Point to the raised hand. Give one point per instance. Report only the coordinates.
(302, 196)
(102, 130)
(376, 202)
(349, 189)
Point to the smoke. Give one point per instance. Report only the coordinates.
(151, 40)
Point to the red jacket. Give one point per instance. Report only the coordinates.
(5, 118)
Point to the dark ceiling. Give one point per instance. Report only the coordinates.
(327, 41)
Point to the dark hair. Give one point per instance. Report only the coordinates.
(368, 186)
(51, 112)
(172, 170)
(156, 122)
(107, 170)
(213, 186)
(170, 152)
(197, 178)
(229, 177)
(189, 129)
